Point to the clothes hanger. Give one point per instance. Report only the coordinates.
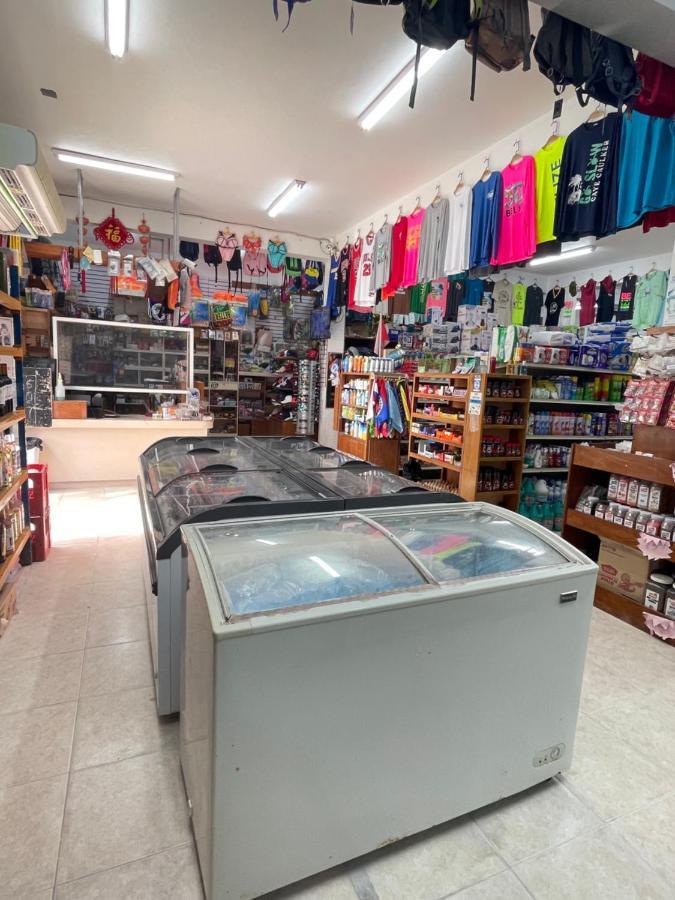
(460, 183)
(598, 113)
(653, 268)
(418, 206)
(400, 215)
(487, 171)
(555, 133)
(386, 221)
(517, 156)
(371, 231)
(437, 196)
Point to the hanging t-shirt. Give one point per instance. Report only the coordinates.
(342, 287)
(517, 221)
(364, 295)
(646, 167)
(588, 188)
(587, 300)
(485, 206)
(433, 241)
(605, 311)
(354, 263)
(502, 298)
(547, 166)
(554, 303)
(399, 233)
(381, 258)
(568, 314)
(331, 292)
(518, 305)
(459, 231)
(650, 294)
(473, 291)
(657, 92)
(456, 291)
(659, 219)
(412, 248)
(624, 311)
(534, 300)
(418, 298)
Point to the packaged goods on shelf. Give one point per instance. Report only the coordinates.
(547, 456)
(608, 388)
(575, 424)
(495, 480)
(499, 446)
(504, 389)
(542, 500)
(502, 415)
(649, 402)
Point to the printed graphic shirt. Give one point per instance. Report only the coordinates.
(412, 248)
(518, 305)
(517, 221)
(342, 287)
(364, 295)
(381, 258)
(502, 296)
(624, 310)
(587, 196)
(554, 303)
(547, 167)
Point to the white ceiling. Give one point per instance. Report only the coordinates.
(215, 91)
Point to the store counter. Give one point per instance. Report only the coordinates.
(78, 450)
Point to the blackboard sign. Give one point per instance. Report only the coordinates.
(38, 397)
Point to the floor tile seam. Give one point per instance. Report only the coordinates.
(68, 777)
(635, 848)
(586, 833)
(582, 800)
(127, 862)
(627, 739)
(30, 613)
(115, 643)
(642, 807)
(6, 660)
(115, 762)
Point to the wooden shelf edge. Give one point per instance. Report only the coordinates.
(606, 530)
(9, 490)
(11, 419)
(451, 467)
(651, 468)
(10, 302)
(629, 611)
(7, 566)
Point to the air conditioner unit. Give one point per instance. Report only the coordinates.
(28, 194)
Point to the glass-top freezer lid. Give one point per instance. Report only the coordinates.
(264, 566)
(364, 482)
(290, 442)
(191, 495)
(202, 455)
(466, 543)
(320, 458)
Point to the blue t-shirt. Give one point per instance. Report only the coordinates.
(473, 291)
(485, 207)
(646, 167)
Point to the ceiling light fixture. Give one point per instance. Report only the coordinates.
(285, 197)
(398, 87)
(561, 257)
(117, 27)
(113, 165)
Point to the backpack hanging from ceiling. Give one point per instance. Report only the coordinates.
(434, 23)
(563, 51)
(499, 36)
(614, 79)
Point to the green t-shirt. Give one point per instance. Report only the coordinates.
(518, 305)
(418, 298)
(649, 296)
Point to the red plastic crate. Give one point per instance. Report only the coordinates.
(41, 536)
(38, 489)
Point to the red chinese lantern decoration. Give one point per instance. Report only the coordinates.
(144, 239)
(113, 233)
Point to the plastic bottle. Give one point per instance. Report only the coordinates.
(60, 389)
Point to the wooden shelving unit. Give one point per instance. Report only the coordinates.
(383, 452)
(10, 489)
(8, 564)
(462, 468)
(593, 465)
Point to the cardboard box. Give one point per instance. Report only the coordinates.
(69, 409)
(623, 570)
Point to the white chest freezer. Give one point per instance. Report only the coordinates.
(353, 678)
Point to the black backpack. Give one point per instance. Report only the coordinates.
(563, 51)
(434, 23)
(614, 79)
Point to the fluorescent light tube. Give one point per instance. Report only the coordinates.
(113, 165)
(561, 257)
(398, 87)
(117, 27)
(285, 197)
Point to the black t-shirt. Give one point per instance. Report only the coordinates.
(555, 300)
(605, 311)
(342, 286)
(456, 293)
(534, 300)
(626, 298)
(589, 180)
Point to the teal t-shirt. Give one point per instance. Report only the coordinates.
(646, 167)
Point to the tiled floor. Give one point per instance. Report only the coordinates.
(91, 799)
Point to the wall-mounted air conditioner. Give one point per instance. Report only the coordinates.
(28, 195)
